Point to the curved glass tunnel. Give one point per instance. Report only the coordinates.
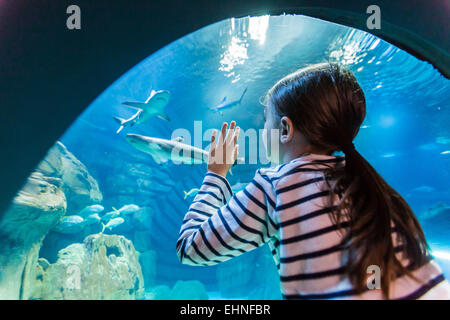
(45, 255)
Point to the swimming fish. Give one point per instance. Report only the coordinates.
(128, 209)
(127, 122)
(423, 189)
(96, 208)
(389, 155)
(92, 219)
(112, 224)
(153, 106)
(227, 105)
(70, 225)
(191, 193)
(110, 215)
(163, 150)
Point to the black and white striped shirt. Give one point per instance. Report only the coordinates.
(286, 207)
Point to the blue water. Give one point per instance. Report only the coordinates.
(405, 136)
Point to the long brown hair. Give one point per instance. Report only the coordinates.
(327, 105)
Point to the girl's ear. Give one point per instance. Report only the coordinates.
(286, 130)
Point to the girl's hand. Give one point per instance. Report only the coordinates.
(223, 151)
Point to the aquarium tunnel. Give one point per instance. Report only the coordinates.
(99, 218)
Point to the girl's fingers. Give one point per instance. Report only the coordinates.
(213, 138)
(236, 134)
(230, 133)
(212, 147)
(224, 131)
(232, 125)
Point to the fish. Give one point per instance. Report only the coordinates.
(70, 225)
(96, 208)
(445, 152)
(191, 193)
(163, 150)
(152, 107)
(423, 189)
(227, 105)
(92, 219)
(127, 122)
(110, 215)
(389, 155)
(128, 209)
(112, 224)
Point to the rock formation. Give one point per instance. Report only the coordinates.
(102, 267)
(80, 188)
(60, 184)
(34, 211)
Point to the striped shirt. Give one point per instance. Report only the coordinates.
(288, 207)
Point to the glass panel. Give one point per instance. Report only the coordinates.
(93, 179)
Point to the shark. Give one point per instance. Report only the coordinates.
(227, 104)
(152, 107)
(163, 150)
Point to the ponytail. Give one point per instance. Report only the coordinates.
(375, 210)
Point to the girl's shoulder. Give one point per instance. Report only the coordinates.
(274, 174)
(304, 164)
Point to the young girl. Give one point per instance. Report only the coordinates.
(334, 226)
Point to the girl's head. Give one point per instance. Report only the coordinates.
(319, 109)
(316, 109)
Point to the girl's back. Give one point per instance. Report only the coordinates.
(307, 246)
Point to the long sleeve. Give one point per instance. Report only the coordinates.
(220, 225)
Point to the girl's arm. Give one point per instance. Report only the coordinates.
(220, 225)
